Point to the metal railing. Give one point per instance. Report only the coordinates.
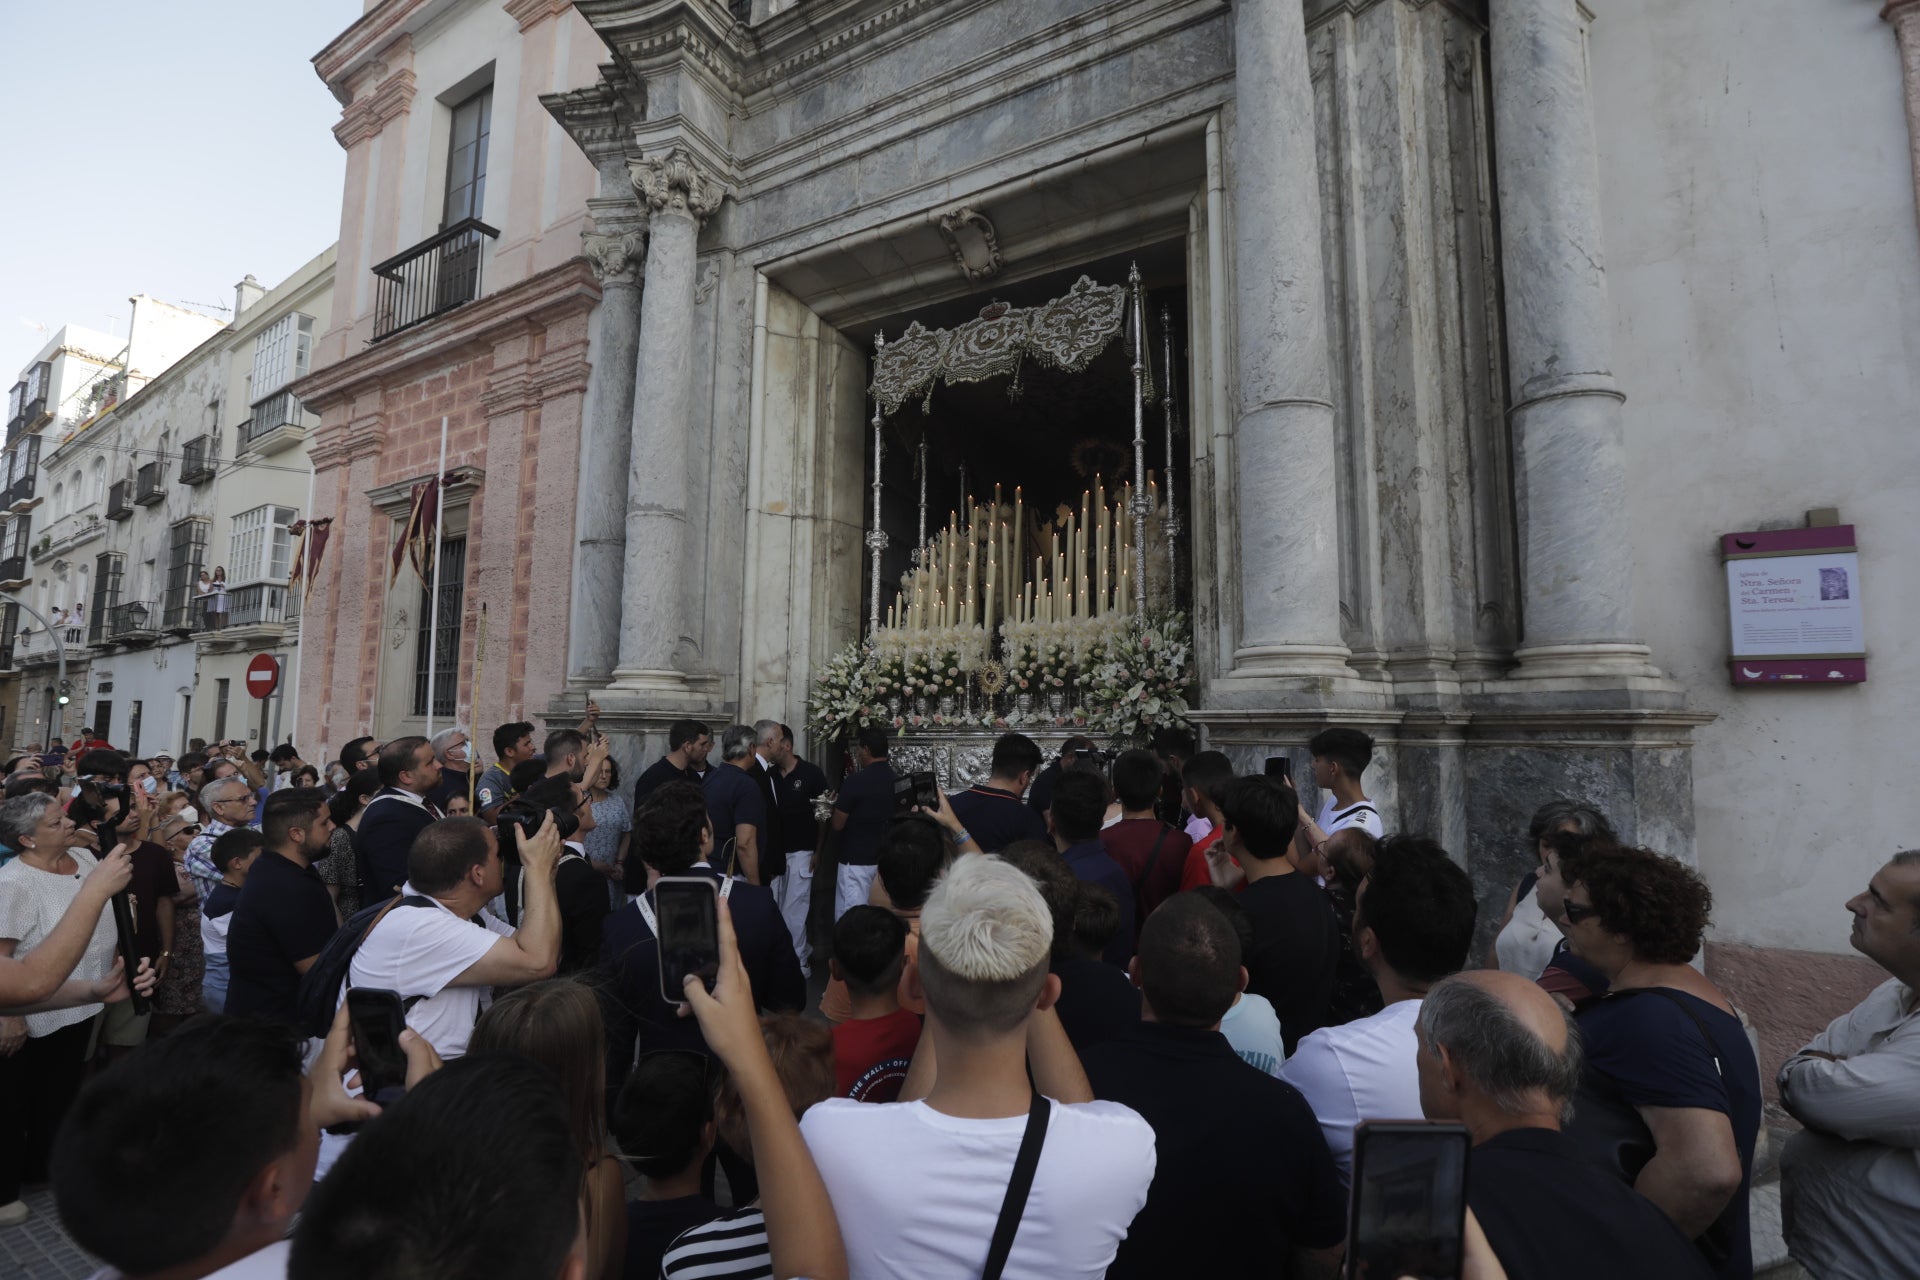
(146, 485)
(262, 604)
(199, 458)
(430, 279)
(276, 411)
(131, 620)
(119, 500)
(36, 642)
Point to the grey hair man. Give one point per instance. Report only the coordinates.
(453, 749)
(1499, 1056)
(1850, 1180)
(737, 806)
(229, 803)
(765, 773)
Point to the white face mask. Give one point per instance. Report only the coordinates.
(190, 815)
(149, 784)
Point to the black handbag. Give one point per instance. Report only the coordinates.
(1609, 1131)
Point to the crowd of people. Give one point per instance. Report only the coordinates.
(1109, 1014)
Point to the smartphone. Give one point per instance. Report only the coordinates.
(687, 911)
(1409, 1206)
(1280, 767)
(378, 1018)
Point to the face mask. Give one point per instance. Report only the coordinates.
(149, 784)
(188, 813)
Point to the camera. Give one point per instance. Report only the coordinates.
(529, 818)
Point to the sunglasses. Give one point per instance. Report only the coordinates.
(1576, 912)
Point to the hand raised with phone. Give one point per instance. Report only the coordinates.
(728, 1017)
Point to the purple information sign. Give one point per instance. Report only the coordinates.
(1793, 600)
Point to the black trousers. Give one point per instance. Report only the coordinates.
(37, 1085)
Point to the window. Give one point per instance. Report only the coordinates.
(20, 531)
(99, 480)
(260, 549)
(103, 721)
(446, 638)
(282, 354)
(133, 729)
(467, 159)
(185, 559)
(220, 688)
(107, 571)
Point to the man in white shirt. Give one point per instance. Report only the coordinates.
(1850, 1181)
(1340, 756)
(920, 1185)
(445, 954)
(1412, 926)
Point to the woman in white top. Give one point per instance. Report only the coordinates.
(1527, 938)
(203, 595)
(220, 599)
(42, 1054)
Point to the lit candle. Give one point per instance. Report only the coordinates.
(1019, 528)
(973, 565)
(952, 559)
(992, 597)
(1103, 602)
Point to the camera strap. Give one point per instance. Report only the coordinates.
(1019, 1186)
(653, 923)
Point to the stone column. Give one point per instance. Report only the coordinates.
(1576, 540)
(652, 611)
(1289, 552)
(606, 457)
(1905, 17)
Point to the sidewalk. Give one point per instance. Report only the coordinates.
(38, 1249)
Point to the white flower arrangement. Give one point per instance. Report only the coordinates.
(1142, 685)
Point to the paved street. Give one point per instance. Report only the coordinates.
(38, 1249)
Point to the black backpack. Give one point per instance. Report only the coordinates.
(319, 999)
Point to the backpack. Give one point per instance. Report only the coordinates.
(319, 999)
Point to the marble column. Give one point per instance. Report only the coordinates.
(1576, 539)
(1905, 17)
(606, 456)
(1288, 559)
(681, 196)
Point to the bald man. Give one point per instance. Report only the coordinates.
(1498, 1055)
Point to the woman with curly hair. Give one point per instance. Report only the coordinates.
(1671, 1098)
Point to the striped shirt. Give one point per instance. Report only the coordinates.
(731, 1247)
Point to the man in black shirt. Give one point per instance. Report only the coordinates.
(738, 808)
(1498, 1055)
(1242, 1174)
(688, 743)
(1295, 937)
(1040, 797)
(285, 914)
(798, 783)
(992, 812)
(1097, 1001)
(861, 815)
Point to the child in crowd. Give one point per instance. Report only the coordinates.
(664, 1124)
(233, 855)
(872, 1049)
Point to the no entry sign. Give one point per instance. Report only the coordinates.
(263, 675)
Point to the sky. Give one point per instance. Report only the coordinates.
(165, 147)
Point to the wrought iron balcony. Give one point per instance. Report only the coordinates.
(135, 620)
(147, 488)
(278, 422)
(120, 500)
(430, 279)
(199, 459)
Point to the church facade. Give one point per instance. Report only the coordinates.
(1487, 318)
(1405, 478)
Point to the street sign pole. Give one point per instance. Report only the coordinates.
(59, 646)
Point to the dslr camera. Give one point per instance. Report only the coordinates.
(529, 817)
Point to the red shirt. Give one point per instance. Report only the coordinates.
(1195, 873)
(870, 1055)
(1154, 877)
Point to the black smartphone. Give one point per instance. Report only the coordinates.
(1409, 1207)
(378, 1018)
(1280, 767)
(902, 794)
(687, 932)
(926, 791)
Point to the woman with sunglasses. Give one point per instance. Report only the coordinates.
(1671, 1096)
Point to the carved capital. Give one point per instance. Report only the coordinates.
(677, 183)
(616, 256)
(371, 112)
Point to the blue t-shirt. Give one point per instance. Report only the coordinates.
(1658, 1057)
(734, 800)
(867, 800)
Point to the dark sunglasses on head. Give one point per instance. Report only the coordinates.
(1576, 912)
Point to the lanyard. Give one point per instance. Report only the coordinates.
(646, 908)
